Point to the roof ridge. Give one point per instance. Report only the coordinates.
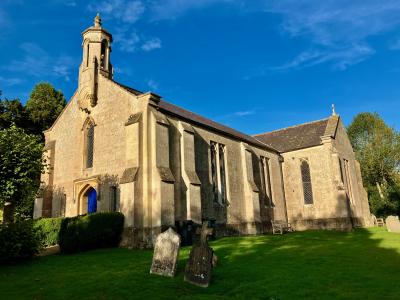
(289, 127)
(250, 139)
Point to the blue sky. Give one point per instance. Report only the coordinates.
(254, 65)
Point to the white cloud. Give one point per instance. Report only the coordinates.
(127, 41)
(70, 3)
(125, 11)
(395, 45)
(10, 81)
(341, 59)
(153, 84)
(337, 29)
(172, 9)
(244, 113)
(38, 63)
(151, 44)
(238, 114)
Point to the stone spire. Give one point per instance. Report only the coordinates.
(96, 50)
(97, 21)
(333, 110)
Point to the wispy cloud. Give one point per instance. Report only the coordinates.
(172, 9)
(126, 41)
(5, 19)
(153, 84)
(151, 44)
(124, 11)
(337, 29)
(244, 113)
(341, 59)
(38, 63)
(70, 3)
(10, 81)
(395, 45)
(238, 114)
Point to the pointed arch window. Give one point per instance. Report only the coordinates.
(218, 172)
(266, 181)
(88, 142)
(306, 180)
(89, 146)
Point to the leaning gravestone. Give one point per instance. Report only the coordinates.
(198, 268)
(393, 224)
(166, 252)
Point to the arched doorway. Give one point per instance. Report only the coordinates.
(92, 200)
(87, 200)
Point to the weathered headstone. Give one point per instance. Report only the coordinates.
(166, 251)
(8, 213)
(198, 268)
(393, 224)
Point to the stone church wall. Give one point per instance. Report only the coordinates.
(240, 215)
(359, 199)
(331, 208)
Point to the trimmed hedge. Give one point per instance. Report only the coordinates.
(18, 241)
(49, 229)
(98, 230)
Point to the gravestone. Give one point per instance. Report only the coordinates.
(198, 268)
(166, 251)
(8, 213)
(393, 224)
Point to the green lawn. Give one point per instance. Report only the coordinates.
(364, 264)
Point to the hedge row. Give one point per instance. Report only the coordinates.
(49, 229)
(18, 241)
(98, 230)
(22, 240)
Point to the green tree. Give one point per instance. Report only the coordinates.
(44, 105)
(377, 148)
(21, 163)
(12, 111)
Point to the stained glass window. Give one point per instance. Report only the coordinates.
(89, 146)
(306, 178)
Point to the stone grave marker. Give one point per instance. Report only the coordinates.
(198, 268)
(166, 251)
(393, 224)
(8, 212)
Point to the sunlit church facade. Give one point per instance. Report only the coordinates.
(114, 148)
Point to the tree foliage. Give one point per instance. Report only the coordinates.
(13, 112)
(377, 148)
(44, 105)
(39, 113)
(21, 162)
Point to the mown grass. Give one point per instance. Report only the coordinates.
(363, 264)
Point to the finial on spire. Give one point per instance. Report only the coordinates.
(97, 21)
(333, 110)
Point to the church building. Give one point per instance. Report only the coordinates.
(114, 148)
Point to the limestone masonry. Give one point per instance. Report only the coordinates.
(114, 148)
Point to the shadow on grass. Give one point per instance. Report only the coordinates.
(363, 264)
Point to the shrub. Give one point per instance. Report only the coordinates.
(49, 229)
(98, 230)
(18, 241)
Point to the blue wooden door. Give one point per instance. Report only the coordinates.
(92, 201)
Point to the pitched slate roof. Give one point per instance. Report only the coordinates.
(174, 110)
(193, 118)
(300, 136)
